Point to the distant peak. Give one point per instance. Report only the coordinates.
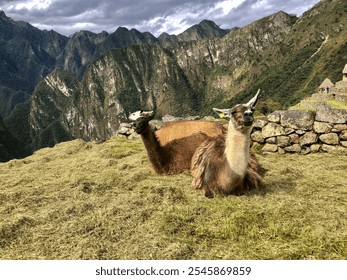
(122, 29)
(207, 21)
(3, 15)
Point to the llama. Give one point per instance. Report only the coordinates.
(180, 129)
(225, 164)
(170, 149)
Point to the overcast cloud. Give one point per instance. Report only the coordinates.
(155, 16)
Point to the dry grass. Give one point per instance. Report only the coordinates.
(100, 201)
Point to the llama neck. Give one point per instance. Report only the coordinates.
(154, 150)
(237, 149)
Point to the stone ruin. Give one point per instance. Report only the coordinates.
(302, 131)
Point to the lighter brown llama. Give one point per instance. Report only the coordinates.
(225, 164)
(170, 149)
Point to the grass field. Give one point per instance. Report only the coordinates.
(83, 200)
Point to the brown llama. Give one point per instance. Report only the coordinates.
(167, 154)
(225, 164)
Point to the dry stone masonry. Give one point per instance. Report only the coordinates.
(302, 131)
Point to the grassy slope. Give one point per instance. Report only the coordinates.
(100, 201)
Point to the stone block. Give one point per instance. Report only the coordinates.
(288, 130)
(308, 138)
(333, 149)
(343, 135)
(281, 151)
(294, 138)
(275, 117)
(300, 131)
(322, 127)
(330, 138)
(298, 119)
(305, 150)
(257, 136)
(330, 115)
(272, 129)
(271, 140)
(340, 127)
(295, 148)
(270, 148)
(315, 148)
(260, 122)
(283, 141)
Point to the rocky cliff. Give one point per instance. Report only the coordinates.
(27, 54)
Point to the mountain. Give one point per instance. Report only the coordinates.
(27, 54)
(287, 57)
(10, 147)
(79, 51)
(84, 46)
(314, 49)
(123, 37)
(179, 81)
(205, 29)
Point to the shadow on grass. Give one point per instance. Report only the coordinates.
(285, 181)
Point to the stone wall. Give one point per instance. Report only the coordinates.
(304, 132)
(292, 131)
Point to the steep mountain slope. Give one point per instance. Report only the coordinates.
(26, 55)
(79, 51)
(9, 145)
(314, 49)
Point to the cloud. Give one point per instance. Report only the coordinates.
(155, 16)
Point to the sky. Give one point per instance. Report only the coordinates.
(156, 16)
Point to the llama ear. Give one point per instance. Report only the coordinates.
(222, 113)
(251, 103)
(147, 114)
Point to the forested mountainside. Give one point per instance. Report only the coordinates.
(287, 57)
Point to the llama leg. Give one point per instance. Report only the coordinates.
(208, 192)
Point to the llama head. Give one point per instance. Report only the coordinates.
(141, 120)
(140, 114)
(240, 115)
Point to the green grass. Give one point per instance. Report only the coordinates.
(301, 107)
(337, 104)
(100, 201)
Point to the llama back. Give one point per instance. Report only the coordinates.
(180, 152)
(181, 129)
